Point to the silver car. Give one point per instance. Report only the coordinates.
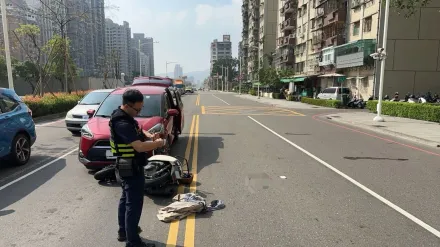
(78, 116)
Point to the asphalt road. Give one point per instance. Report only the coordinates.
(288, 178)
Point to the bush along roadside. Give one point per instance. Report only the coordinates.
(322, 102)
(50, 104)
(426, 112)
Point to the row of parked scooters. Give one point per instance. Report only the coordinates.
(411, 98)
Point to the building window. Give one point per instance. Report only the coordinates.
(367, 24)
(356, 27)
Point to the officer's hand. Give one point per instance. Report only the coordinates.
(161, 142)
(155, 136)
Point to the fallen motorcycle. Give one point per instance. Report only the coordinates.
(159, 172)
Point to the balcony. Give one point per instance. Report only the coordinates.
(287, 56)
(290, 7)
(288, 24)
(356, 3)
(287, 40)
(355, 54)
(327, 57)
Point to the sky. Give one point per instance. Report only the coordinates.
(183, 28)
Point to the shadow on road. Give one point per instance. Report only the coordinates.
(23, 188)
(158, 244)
(372, 158)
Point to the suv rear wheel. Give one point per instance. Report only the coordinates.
(20, 150)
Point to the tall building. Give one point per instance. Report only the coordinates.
(286, 34)
(178, 71)
(221, 49)
(259, 41)
(98, 30)
(244, 44)
(147, 47)
(80, 32)
(19, 12)
(118, 46)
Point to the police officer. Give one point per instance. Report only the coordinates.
(129, 144)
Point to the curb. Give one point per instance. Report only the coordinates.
(387, 132)
(49, 117)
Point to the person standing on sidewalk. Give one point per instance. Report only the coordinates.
(130, 144)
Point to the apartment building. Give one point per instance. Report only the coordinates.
(118, 46)
(286, 34)
(147, 47)
(178, 71)
(220, 49)
(244, 44)
(260, 43)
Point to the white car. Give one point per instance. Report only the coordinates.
(77, 117)
(334, 93)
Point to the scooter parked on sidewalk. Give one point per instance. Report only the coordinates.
(356, 103)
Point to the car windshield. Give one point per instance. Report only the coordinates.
(152, 106)
(94, 98)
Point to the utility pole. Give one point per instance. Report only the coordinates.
(6, 38)
(382, 58)
(239, 76)
(223, 77)
(140, 59)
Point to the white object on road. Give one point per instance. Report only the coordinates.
(283, 177)
(364, 188)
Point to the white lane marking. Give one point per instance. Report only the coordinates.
(221, 100)
(49, 123)
(38, 169)
(16, 174)
(364, 188)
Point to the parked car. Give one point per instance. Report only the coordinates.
(17, 128)
(77, 117)
(334, 93)
(157, 115)
(189, 89)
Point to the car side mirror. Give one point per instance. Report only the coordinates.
(90, 113)
(172, 112)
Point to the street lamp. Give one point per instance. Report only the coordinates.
(166, 67)
(381, 56)
(6, 39)
(140, 58)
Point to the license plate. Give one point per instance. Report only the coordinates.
(109, 154)
(85, 117)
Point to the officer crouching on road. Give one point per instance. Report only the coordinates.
(129, 144)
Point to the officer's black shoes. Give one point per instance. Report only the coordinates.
(122, 236)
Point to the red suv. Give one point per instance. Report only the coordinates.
(157, 115)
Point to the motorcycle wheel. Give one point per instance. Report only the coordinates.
(158, 181)
(106, 173)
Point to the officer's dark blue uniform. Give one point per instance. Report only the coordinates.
(125, 130)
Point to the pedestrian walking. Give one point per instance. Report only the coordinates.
(129, 144)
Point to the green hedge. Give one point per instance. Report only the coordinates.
(322, 102)
(426, 112)
(50, 104)
(276, 95)
(252, 92)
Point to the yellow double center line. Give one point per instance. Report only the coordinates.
(191, 220)
(198, 99)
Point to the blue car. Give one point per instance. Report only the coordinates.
(17, 128)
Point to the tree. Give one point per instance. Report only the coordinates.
(109, 67)
(55, 48)
(231, 65)
(28, 71)
(408, 7)
(28, 37)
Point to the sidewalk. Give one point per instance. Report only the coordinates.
(281, 102)
(423, 132)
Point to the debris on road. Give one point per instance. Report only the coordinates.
(283, 177)
(185, 205)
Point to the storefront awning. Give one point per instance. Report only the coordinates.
(331, 75)
(287, 80)
(349, 78)
(299, 79)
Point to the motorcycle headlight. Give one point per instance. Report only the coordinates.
(158, 128)
(86, 132)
